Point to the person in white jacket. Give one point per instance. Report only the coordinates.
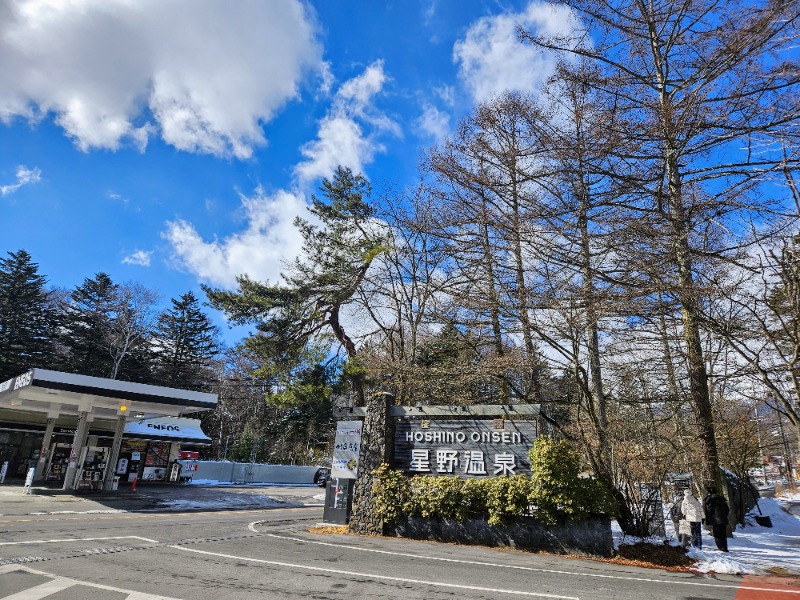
(693, 512)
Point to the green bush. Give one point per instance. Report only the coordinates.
(557, 489)
(475, 495)
(391, 493)
(436, 497)
(507, 497)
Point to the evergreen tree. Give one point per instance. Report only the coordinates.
(25, 319)
(331, 271)
(88, 324)
(185, 343)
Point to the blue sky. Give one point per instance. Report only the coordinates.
(172, 142)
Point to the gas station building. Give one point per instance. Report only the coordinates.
(81, 432)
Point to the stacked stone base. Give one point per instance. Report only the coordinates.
(589, 538)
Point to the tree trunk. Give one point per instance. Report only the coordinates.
(690, 314)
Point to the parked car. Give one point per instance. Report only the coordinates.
(321, 476)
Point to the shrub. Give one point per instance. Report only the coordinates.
(507, 497)
(557, 489)
(391, 493)
(435, 497)
(475, 494)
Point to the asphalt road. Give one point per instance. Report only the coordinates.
(248, 554)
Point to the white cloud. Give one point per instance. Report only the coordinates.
(203, 75)
(434, 122)
(446, 94)
(491, 58)
(341, 139)
(117, 197)
(429, 11)
(326, 78)
(140, 258)
(25, 176)
(270, 238)
(259, 251)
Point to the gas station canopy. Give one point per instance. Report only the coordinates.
(38, 394)
(90, 408)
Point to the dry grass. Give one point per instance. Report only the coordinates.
(780, 572)
(328, 529)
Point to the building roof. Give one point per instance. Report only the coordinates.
(40, 393)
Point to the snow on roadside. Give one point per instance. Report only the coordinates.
(214, 482)
(620, 539)
(786, 497)
(753, 550)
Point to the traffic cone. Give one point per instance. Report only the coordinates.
(133, 485)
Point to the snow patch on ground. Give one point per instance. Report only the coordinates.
(226, 502)
(79, 512)
(214, 482)
(753, 550)
(787, 497)
(620, 539)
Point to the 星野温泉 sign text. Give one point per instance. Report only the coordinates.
(467, 448)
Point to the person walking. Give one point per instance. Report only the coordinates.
(693, 512)
(717, 511)
(676, 515)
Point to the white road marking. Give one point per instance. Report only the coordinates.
(59, 583)
(120, 537)
(521, 568)
(43, 590)
(81, 512)
(375, 576)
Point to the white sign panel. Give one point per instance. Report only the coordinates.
(346, 449)
(179, 428)
(16, 383)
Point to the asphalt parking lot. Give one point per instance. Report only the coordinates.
(155, 497)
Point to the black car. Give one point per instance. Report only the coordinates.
(321, 476)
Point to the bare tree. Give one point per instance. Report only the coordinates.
(400, 297)
(133, 322)
(487, 176)
(704, 92)
(763, 325)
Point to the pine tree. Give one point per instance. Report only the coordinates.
(25, 320)
(336, 257)
(186, 343)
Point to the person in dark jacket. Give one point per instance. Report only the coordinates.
(716, 509)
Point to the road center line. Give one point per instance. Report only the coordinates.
(521, 568)
(374, 576)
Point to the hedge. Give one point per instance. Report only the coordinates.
(555, 491)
